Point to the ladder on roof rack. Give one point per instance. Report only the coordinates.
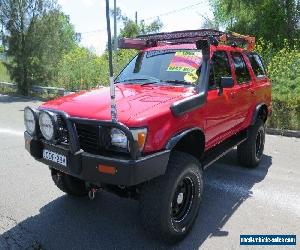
(187, 36)
(182, 36)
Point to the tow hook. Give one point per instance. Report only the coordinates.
(58, 176)
(92, 193)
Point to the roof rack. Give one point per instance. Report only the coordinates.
(187, 36)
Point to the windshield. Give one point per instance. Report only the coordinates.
(163, 66)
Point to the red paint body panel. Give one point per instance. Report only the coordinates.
(149, 106)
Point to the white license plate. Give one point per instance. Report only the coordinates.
(55, 157)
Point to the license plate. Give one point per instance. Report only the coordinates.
(55, 157)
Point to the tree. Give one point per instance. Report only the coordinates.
(132, 29)
(272, 20)
(51, 37)
(37, 34)
(81, 69)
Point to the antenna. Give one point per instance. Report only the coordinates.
(111, 72)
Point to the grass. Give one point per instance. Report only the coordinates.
(4, 75)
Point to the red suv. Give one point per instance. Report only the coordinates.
(184, 101)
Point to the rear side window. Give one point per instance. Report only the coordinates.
(257, 65)
(241, 70)
(220, 68)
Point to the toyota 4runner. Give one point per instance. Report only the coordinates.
(185, 100)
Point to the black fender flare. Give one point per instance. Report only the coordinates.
(177, 137)
(257, 111)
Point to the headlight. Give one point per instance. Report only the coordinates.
(47, 121)
(119, 139)
(30, 120)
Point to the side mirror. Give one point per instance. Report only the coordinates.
(227, 82)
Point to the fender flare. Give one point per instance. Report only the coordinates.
(177, 137)
(256, 112)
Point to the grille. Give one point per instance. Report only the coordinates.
(93, 139)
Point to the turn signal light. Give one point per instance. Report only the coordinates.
(141, 140)
(107, 169)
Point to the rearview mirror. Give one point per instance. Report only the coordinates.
(227, 82)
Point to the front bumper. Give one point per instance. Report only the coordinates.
(84, 166)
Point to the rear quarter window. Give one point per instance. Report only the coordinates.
(257, 65)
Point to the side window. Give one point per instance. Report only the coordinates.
(257, 65)
(241, 70)
(219, 68)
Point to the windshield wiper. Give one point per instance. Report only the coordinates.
(137, 79)
(177, 82)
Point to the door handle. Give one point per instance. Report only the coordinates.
(232, 94)
(251, 91)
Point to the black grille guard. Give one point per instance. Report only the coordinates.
(73, 136)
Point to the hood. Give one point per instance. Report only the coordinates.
(132, 101)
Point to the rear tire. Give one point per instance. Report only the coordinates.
(250, 152)
(69, 184)
(169, 204)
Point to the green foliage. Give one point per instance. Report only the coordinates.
(37, 36)
(272, 20)
(283, 68)
(124, 57)
(81, 69)
(51, 37)
(4, 74)
(286, 112)
(132, 29)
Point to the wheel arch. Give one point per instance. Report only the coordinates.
(261, 111)
(191, 141)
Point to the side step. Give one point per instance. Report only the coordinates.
(223, 148)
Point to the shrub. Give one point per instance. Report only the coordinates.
(286, 112)
(80, 69)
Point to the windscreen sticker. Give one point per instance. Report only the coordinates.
(185, 61)
(191, 77)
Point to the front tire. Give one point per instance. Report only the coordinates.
(251, 151)
(169, 204)
(69, 184)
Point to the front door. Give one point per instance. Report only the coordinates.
(220, 112)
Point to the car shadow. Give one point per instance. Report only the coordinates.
(110, 222)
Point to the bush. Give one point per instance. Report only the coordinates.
(286, 112)
(80, 69)
(283, 68)
(4, 74)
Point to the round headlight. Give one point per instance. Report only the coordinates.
(30, 121)
(118, 138)
(47, 123)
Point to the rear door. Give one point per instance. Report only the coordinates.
(261, 89)
(243, 89)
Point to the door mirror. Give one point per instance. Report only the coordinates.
(227, 82)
